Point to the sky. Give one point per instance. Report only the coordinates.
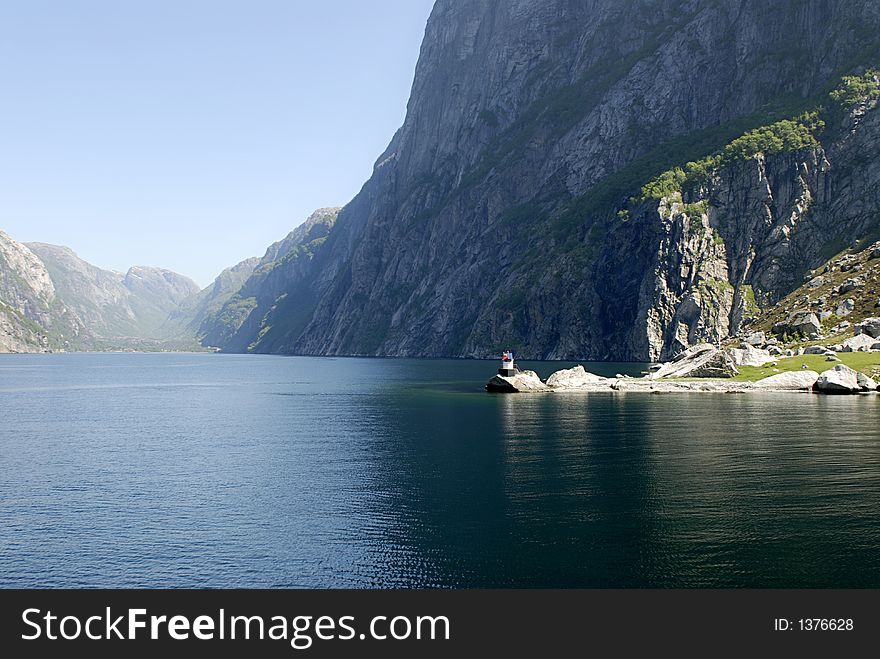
(191, 134)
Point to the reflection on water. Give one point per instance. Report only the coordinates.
(118, 470)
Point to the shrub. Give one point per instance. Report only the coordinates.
(857, 89)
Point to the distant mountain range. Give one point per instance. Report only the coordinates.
(50, 299)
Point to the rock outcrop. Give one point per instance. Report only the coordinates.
(700, 361)
(870, 327)
(576, 377)
(578, 380)
(748, 355)
(521, 382)
(803, 380)
(839, 380)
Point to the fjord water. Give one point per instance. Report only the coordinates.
(179, 470)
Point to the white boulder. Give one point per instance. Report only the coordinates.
(748, 355)
(521, 382)
(756, 339)
(700, 361)
(858, 343)
(573, 378)
(845, 308)
(839, 380)
(789, 381)
(866, 383)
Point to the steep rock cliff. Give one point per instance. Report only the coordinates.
(26, 296)
(186, 320)
(266, 306)
(491, 219)
(752, 232)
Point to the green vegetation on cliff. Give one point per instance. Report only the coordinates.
(855, 90)
(792, 134)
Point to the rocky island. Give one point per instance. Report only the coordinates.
(709, 368)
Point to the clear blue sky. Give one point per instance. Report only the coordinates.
(190, 134)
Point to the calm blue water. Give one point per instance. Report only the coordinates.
(248, 471)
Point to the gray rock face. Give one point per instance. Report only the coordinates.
(858, 343)
(26, 296)
(839, 380)
(845, 308)
(750, 356)
(492, 217)
(869, 326)
(805, 323)
(789, 381)
(700, 361)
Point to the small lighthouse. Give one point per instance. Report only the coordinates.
(508, 365)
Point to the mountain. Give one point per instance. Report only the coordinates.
(112, 305)
(26, 298)
(606, 179)
(52, 299)
(266, 301)
(186, 320)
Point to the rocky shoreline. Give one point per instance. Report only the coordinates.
(707, 368)
(839, 380)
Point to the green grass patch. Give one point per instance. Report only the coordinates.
(866, 362)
